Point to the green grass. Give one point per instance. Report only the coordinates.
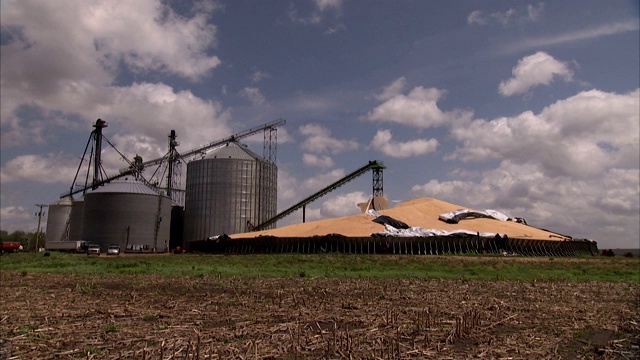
(616, 269)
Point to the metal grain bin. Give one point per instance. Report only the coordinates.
(77, 220)
(127, 213)
(228, 191)
(58, 221)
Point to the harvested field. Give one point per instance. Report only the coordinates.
(63, 316)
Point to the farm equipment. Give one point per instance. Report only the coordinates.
(10, 247)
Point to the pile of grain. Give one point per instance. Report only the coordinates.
(421, 212)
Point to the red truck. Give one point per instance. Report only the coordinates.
(9, 247)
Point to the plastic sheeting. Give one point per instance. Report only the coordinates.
(455, 216)
(389, 221)
(422, 232)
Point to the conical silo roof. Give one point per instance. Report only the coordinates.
(126, 186)
(65, 201)
(233, 150)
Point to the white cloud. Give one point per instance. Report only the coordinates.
(383, 142)
(146, 35)
(319, 140)
(14, 218)
(324, 5)
(572, 168)
(533, 70)
(321, 161)
(508, 17)
(139, 119)
(603, 208)
(392, 90)
(477, 18)
(574, 36)
(320, 181)
(64, 60)
(418, 109)
(343, 205)
(258, 76)
(335, 29)
(287, 188)
(534, 11)
(323, 9)
(49, 169)
(253, 95)
(282, 136)
(580, 137)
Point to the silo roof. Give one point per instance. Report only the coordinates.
(63, 201)
(233, 150)
(126, 186)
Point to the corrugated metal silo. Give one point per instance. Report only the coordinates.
(76, 220)
(58, 221)
(127, 213)
(228, 191)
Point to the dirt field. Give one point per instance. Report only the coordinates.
(46, 316)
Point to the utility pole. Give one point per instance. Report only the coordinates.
(39, 214)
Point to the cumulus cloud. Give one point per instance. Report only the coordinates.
(323, 9)
(343, 205)
(49, 169)
(508, 17)
(533, 70)
(258, 76)
(417, 109)
(572, 168)
(63, 61)
(322, 161)
(253, 94)
(287, 188)
(603, 208)
(319, 140)
(383, 142)
(392, 90)
(580, 136)
(14, 218)
(324, 5)
(146, 35)
(320, 181)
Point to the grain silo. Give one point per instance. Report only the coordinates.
(58, 221)
(76, 220)
(127, 213)
(228, 191)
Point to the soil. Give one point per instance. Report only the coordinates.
(52, 316)
(420, 212)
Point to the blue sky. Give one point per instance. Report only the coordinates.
(530, 108)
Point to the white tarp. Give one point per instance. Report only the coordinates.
(422, 232)
(457, 215)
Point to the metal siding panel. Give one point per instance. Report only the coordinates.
(59, 215)
(76, 223)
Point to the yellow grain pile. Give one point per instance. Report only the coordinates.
(421, 212)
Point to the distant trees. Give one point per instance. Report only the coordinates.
(26, 239)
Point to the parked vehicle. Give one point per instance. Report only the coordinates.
(113, 250)
(93, 249)
(69, 246)
(9, 247)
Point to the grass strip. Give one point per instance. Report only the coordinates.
(582, 269)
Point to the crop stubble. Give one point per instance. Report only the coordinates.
(51, 316)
